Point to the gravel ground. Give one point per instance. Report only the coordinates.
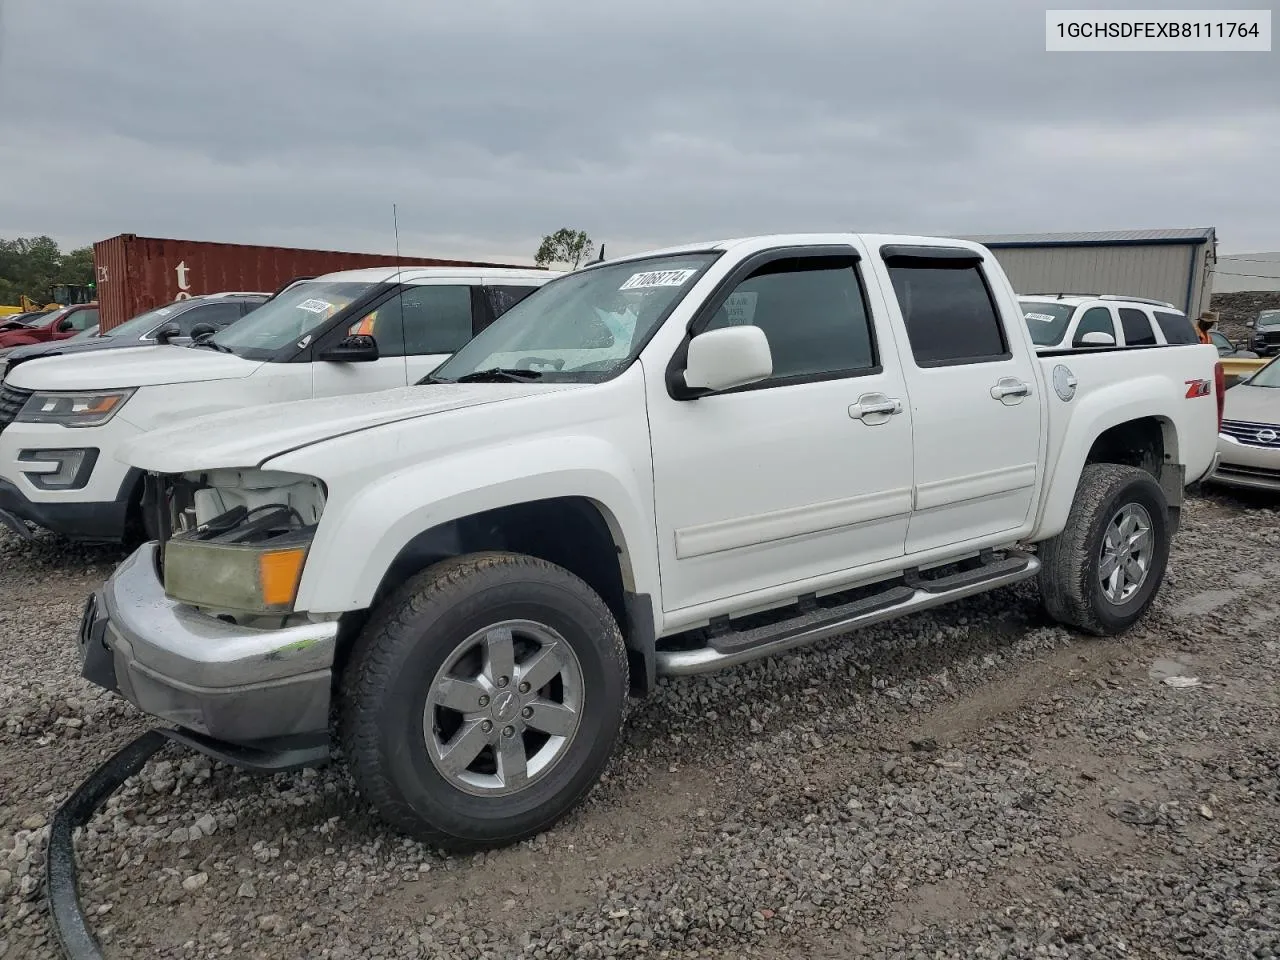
(973, 783)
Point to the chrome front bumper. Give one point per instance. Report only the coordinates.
(235, 684)
(1242, 465)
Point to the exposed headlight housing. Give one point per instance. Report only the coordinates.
(241, 539)
(88, 409)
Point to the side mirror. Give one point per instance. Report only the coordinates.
(357, 348)
(203, 330)
(1096, 338)
(1250, 324)
(65, 325)
(727, 358)
(168, 332)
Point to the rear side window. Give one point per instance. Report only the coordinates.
(1095, 320)
(1137, 328)
(503, 298)
(1175, 327)
(949, 313)
(214, 314)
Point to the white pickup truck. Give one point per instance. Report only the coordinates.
(666, 464)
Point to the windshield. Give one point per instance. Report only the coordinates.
(145, 322)
(1268, 376)
(1269, 318)
(288, 318)
(583, 327)
(51, 317)
(86, 333)
(1047, 321)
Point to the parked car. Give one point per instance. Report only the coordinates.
(15, 321)
(1265, 340)
(1062, 321)
(662, 464)
(57, 324)
(63, 419)
(1249, 439)
(1228, 349)
(176, 321)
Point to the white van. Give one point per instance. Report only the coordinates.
(62, 418)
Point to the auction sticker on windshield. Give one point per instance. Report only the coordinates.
(315, 306)
(657, 278)
(1042, 317)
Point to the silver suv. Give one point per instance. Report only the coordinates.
(1062, 321)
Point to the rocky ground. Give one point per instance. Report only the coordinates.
(976, 783)
(1235, 309)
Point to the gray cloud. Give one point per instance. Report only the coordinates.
(494, 121)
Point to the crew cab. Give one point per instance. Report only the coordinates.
(1104, 320)
(62, 418)
(660, 465)
(54, 325)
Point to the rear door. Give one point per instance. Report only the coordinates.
(975, 404)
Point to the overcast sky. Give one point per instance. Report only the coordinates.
(490, 123)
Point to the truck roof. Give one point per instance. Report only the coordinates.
(765, 241)
(390, 273)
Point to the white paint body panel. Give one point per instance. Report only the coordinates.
(177, 383)
(724, 504)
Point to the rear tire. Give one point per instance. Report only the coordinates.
(1101, 573)
(483, 700)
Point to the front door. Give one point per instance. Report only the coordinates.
(975, 404)
(807, 473)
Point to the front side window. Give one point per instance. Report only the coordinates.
(949, 313)
(217, 315)
(291, 317)
(419, 320)
(1046, 321)
(83, 319)
(812, 312)
(583, 327)
(1137, 328)
(1095, 320)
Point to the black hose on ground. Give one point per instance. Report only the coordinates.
(70, 925)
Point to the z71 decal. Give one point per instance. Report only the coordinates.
(1198, 388)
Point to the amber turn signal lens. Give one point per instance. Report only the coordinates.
(279, 572)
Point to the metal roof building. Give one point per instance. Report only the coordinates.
(1171, 265)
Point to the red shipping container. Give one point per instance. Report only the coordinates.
(139, 273)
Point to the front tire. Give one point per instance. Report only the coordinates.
(1101, 573)
(483, 700)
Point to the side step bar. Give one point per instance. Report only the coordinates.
(734, 647)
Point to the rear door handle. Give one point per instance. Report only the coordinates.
(875, 408)
(1010, 390)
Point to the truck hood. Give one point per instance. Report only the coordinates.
(1253, 404)
(250, 437)
(143, 367)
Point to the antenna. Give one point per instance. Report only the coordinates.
(600, 259)
(395, 223)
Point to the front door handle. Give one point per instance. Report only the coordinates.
(875, 408)
(1010, 390)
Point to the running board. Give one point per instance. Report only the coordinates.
(731, 648)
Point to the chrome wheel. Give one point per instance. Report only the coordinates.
(1127, 549)
(504, 708)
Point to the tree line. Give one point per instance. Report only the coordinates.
(32, 265)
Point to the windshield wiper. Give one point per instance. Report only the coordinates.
(211, 345)
(500, 374)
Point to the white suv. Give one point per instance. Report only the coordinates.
(63, 418)
(1063, 321)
